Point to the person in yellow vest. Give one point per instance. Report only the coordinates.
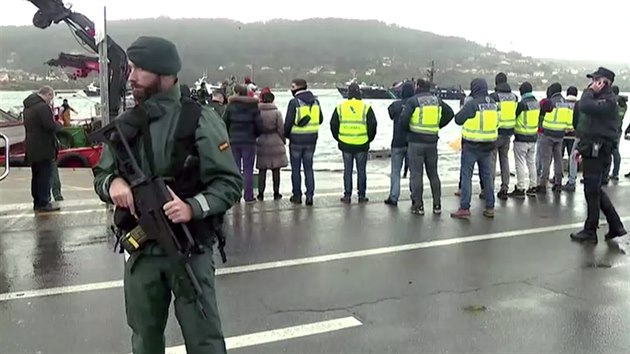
(353, 125)
(423, 116)
(479, 118)
(301, 126)
(507, 119)
(525, 136)
(556, 116)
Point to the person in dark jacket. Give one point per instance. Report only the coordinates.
(525, 136)
(507, 104)
(202, 94)
(301, 125)
(477, 151)
(599, 104)
(353, 125)
(242, 119)
(616, 156)
(218, 101)
(40, 143)
(399, 143)
(422, 117)
(551, 139)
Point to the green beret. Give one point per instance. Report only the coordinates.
(155, 54)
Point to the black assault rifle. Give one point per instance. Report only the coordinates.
(149, 195)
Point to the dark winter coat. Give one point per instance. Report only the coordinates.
(40, 129)
(242, 119)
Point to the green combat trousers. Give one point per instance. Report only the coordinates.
(149, 281)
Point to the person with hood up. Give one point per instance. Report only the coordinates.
(525, 135)
(399, 143)
(507, 119)
(242, 120)
(217, 101)
(353, 125)
(479, 118)
(422, 117)
(41, 147)
(571, 139)
(616, 157)
(556, 116)
(303, 118)
(271, 153)
(601, 133)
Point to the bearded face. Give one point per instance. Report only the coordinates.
(144, 84)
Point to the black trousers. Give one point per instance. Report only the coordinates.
(40, 182)
(262, 179)
(596, 198)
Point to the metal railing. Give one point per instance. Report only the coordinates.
(6, 156)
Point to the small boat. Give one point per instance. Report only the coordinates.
(452, 93)
(92, 90)
(374, 92)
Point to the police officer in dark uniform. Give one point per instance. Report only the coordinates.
(599, 105)
(201, 191)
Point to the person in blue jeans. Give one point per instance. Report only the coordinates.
(244, 125)
(479, 118)
(399, 143)
(301, 126)
(353, 125)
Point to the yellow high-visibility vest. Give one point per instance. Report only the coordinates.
(560, 118)
(484, 126)
(302, 110)
(353, 122)
(426, 117)
(527, 120)
(507, 109)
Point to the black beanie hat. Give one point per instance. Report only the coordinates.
(500, 78)
(572, 91)
(156, 55)
(526, 87)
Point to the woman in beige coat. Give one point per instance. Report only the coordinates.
(271, 153)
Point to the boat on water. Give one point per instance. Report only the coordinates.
(92, 90)
(452, 93)
(376, 92)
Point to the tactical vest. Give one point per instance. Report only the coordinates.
(527, 120)
(306, 111)
(507, 108)
(353, 122)
(560, 118)
(183, 175)
(426, 117)
(483, 127)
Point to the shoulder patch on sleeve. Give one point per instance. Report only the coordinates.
(224, 146)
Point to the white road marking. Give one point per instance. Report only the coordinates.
(309, 260)
(277, 335)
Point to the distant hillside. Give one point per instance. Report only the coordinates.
(321, 50)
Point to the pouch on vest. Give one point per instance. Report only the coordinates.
(304, 121)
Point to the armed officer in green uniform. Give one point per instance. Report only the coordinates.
(150, 277)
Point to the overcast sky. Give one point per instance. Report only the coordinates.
(594, 30)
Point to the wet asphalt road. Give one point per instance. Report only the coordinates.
(530, 292)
